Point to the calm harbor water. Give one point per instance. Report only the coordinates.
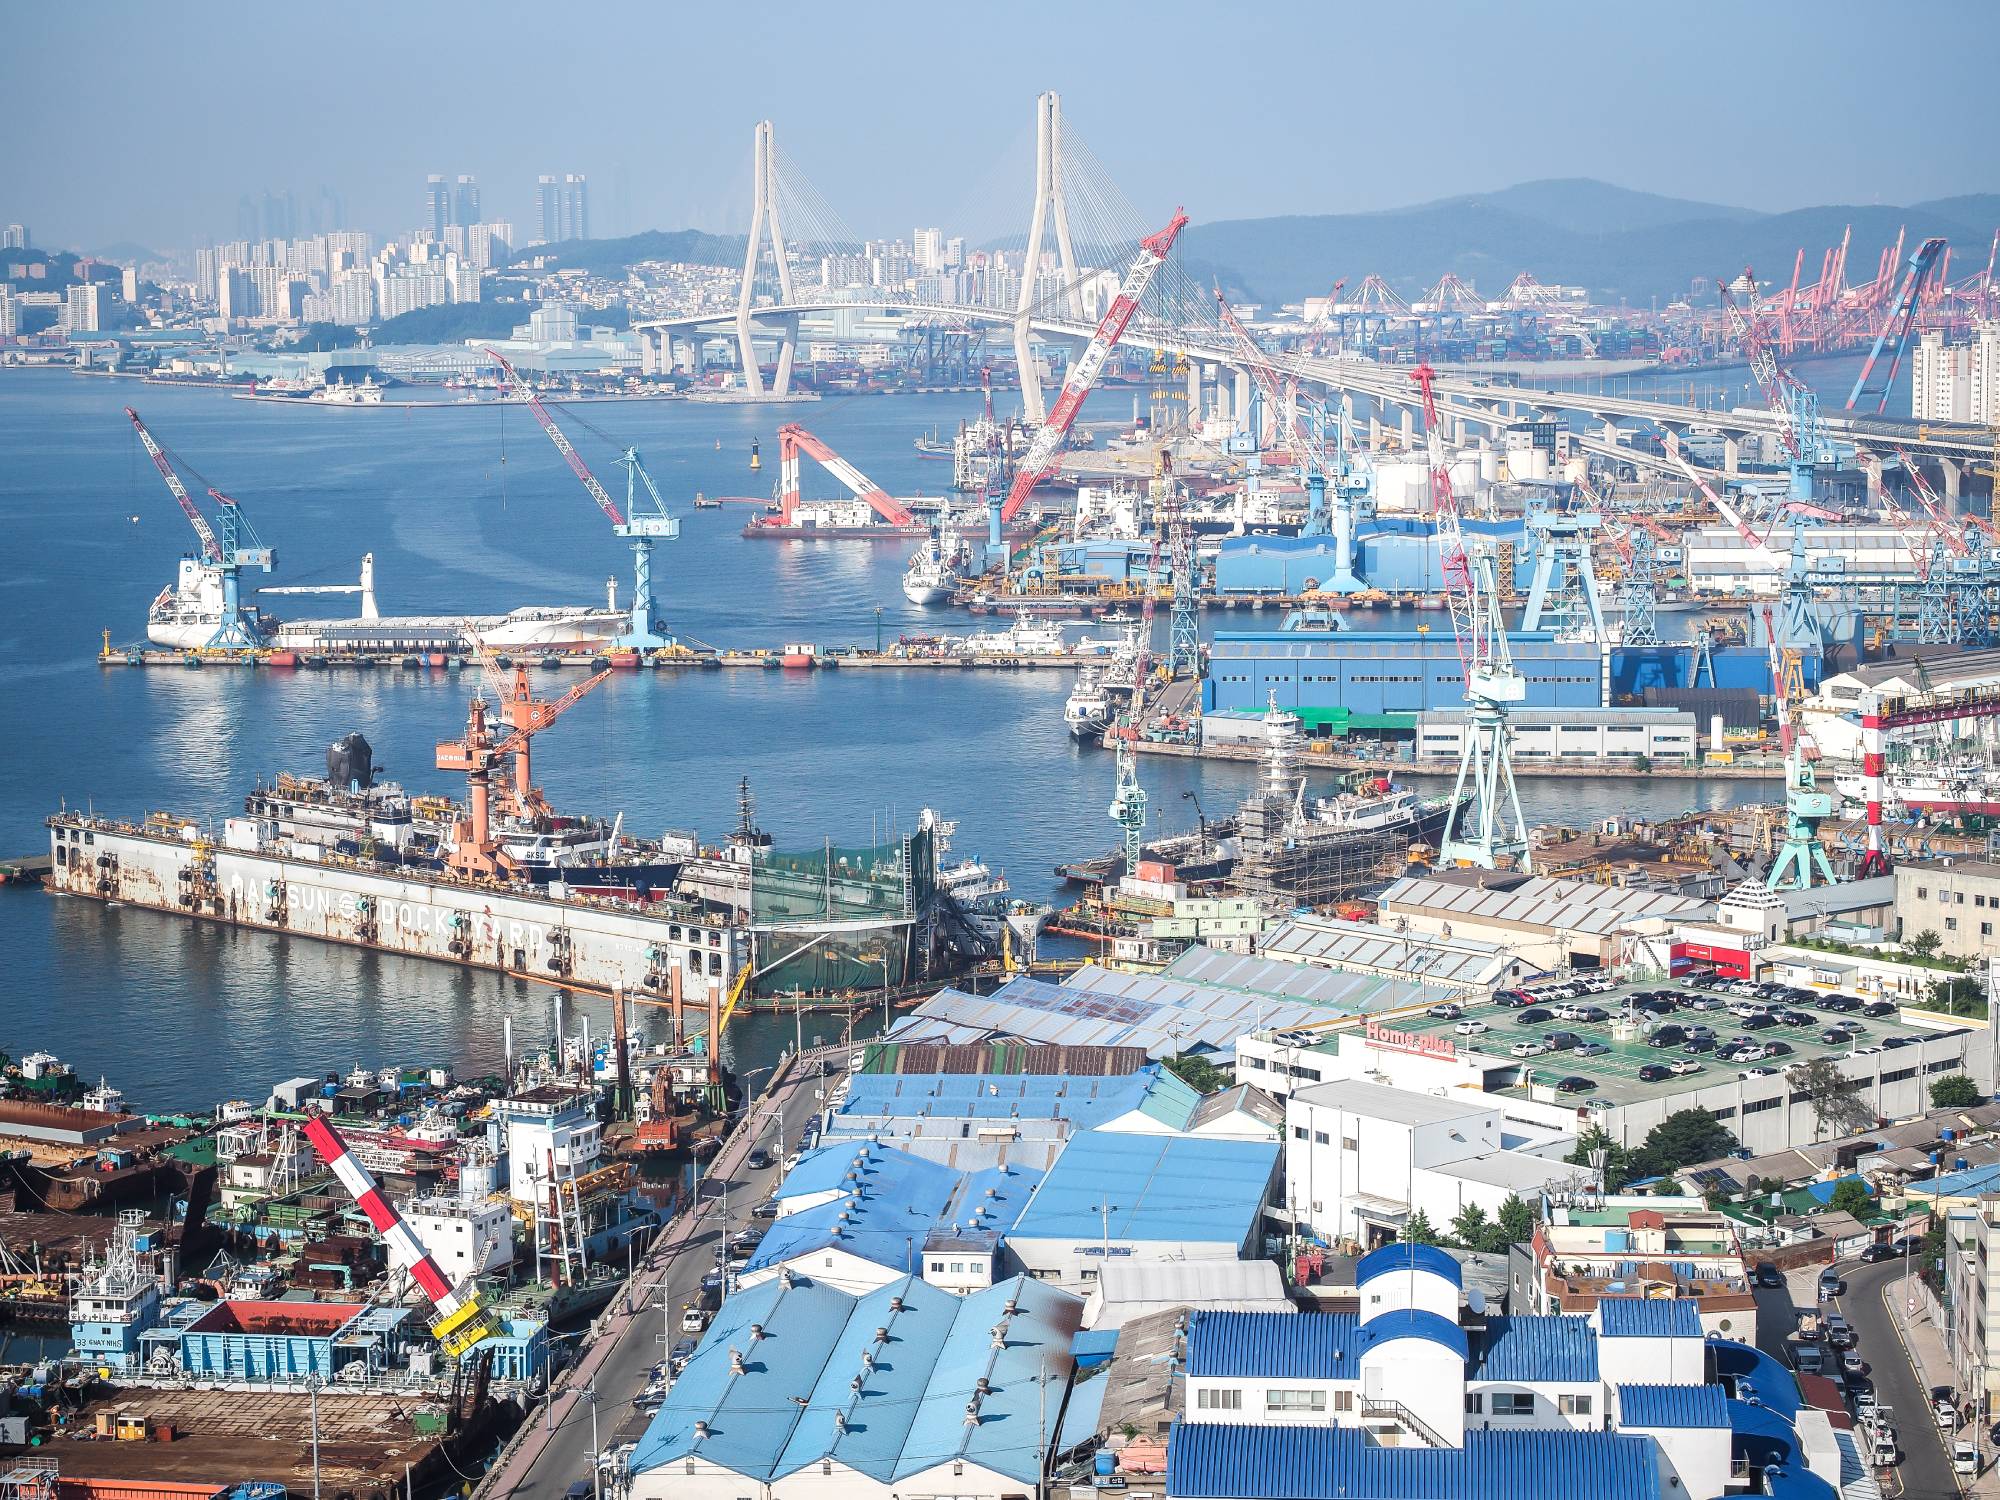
(473, 510)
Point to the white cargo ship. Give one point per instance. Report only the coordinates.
(187, 615)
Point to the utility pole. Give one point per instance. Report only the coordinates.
(589, 1393)
(312, 1403)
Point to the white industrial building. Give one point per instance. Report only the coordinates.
(1361, 1158)
(1664, 736)
(1551, 924)
(466, 1237)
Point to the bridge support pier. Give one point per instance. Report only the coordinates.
(1871, 471)
(1194, 395)
(1732, 455)
(788, 344)
(1243, 412)
(1374, 426)
(1954, 483)
(1409, 430)
(764, 215)
(1223, 406)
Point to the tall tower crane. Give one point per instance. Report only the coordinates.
(1896, 326)
(1491, 828)
(462, 1321)
(1039, 462)
(236, 549)
(1802, 857)
(1789, 398)
(646, 632)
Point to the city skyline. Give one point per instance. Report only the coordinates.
(1354, 136)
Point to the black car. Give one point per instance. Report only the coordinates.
(1842, 1004)
(1878, 1008)
(1911, 1243)
(1513, 999)
(1895, 1041)
(1776, 1048)
(1875, 1253)
(1654, 1072)
(758, 1160)
(1797, 1018)
(1833, 1036)
(1760, 1022)
(768, 1209)
(1667, 1036)
(1769, 1275)
(1574, 1084)
(1534, 1015)
(1562, 1041)
(1699, 1044)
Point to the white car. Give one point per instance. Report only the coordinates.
(1964, 1458)
(1471, 1028)
(1945, 1413)
(1684, 1065)
(1530, 1049)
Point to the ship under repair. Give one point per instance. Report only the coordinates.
(501, 881)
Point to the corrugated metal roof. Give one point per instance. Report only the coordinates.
(1227, 1461)
(1672, 1406)
(1276, 1346)
(1648, 1318)
(1407, 1256)
(1556, 1347)
(1322, 940)
(1159, 1187)
(1568, 905)
(1412, 1323)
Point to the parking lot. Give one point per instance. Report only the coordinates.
(1608, 1053)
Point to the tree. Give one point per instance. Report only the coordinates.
(1197, 1073)
(1837, 1105)
(1851, 1196)
(1954, 1091)
(1469, 1227)
(1418, 1230)
(1753, 1185)
(1617, 1166)
(1517, 1219)
(1685, 1136)
(1925, 943)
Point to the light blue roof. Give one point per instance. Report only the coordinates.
(1084, 1101)
(1973, 1182)
(892, 1202)
(1648, 1318)
(1558, 1347)
(1672, 1406)
(1227, 1461)
(1158, 1187)
(818, 1385)
(1411, 1323)
(1404, 1255)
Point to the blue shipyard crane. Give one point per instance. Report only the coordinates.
(1801, 858)
(646, 631)
(1791, 400)
(1895, 330)
(1490, 827)
(236, 549)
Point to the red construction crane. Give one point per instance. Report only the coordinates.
(210, 547)
(792, 439)
(570, 456)
(1261, 370)
(1039, 462)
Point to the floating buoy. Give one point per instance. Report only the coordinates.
(756, 459)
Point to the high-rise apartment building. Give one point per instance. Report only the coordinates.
(83, 310)
(1957, 382)
(437, 204)
(10, 313)
(465, 201)
(128, 286)
(562, 208)
(927, 249)
(14, 237)
(489, 245)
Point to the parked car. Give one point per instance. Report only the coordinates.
(1757, 1073)
(1446, 1011)
(1875, 1253)
(1762, 1021)
(1778, 1049)
(1834, 1036)
(758, 1160)
(681, 1353)
(1471, 1028)
(1591, 1049)
(1768, 1274)
(1683, 1066)
(768, 1209)
(1534, 1015)
(1852, 1364)
(1667, 1036)
(1843, 1004)
(1530, 1049)
(1906, 1244)
(1876, 1008)
(1797, 1018)
(1699, 1044)
(1654, 1072)
(1945, 1411)
(1964, 1457)
(1593, 1013)
(694, 1318)
(1513, 999)
(1576, 1083)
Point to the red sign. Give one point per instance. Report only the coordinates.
(1411, 1041)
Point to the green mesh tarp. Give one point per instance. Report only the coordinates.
(839, 917)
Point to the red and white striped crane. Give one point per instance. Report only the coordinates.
(211, 549)
(792, 440)
(1039, 462)
(462, 1321)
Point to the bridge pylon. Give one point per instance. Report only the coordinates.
(764, 218)
(1049, 205)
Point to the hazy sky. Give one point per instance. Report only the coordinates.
(146, 122)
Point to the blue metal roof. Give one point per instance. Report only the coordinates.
(1752, 1374)
(1527, 1349)
(1648, 1318)
(1822, 1192)
(1672, 1406)
(1159, 1187)
(1412, 1323)
(1277, 1346)
(1973, 1182)
(817, 1384)
(891, 1204)
(1407, 1256)
(1227, 1461)
(1084, 1101)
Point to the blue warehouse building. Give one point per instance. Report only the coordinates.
(1387, 672)
(1397, 554)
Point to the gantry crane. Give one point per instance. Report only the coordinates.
(647, 631)
(1794, 403)
(1801, 859)
(1492, 827)
(794, 439)
(462, 1321)
(1039, 462)
(236, 549)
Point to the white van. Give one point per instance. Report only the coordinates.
(1807, 1359)
(1964, 1457)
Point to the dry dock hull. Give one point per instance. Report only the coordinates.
(591, 943)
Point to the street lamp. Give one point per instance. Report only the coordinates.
(589, 1393)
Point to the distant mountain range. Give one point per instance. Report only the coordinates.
(1620, 244)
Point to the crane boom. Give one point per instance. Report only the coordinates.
(462, 1321)
(1039, 461)
(1450, 531)
(210, 547)
(1761, 554)
(792, 439)
(570, 456)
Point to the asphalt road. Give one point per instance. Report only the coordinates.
(566, 1455)
(1925, 1472)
